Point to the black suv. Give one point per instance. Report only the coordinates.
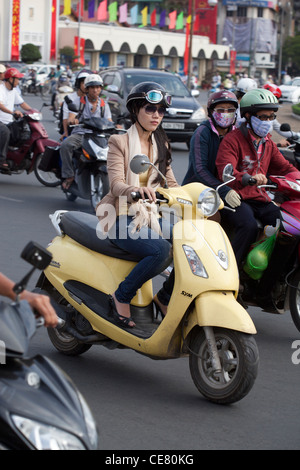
(181, 119)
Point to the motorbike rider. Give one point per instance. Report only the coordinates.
(221, 110)
(74, 98)
(91, 106)
(138, 230)
(38, 302)
(252, 153)
(243, 85)
(2, 72)
(9, 98)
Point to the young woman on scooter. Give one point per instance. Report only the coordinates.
(139, 232)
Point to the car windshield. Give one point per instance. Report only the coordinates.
(296, 82)
(171, 83)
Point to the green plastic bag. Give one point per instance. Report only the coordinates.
(258, 258)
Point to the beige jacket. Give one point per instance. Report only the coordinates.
(117, 166)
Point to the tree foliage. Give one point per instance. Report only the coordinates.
(291, 53)
(30, 53)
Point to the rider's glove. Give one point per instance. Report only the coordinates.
(233, 199)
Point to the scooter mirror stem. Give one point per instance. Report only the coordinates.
(20, 286)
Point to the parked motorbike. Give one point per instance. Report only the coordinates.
(40, 407)
(29, 86)
(29, 140)
(204, 319)
(62, 91)
(292, 152)
(285, 292)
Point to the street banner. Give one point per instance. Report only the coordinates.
(53, 30)
(15, 53)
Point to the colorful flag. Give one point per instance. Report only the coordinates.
(79, 44)
(91, 8)
(15, 53)
(113, 11)
(172, 18)
(153, 18)
(187, 46)
(123, 13)
(134, 14)
(53, 30)
(162, 19)
(144, 14)
(67, 7)
(179, 21)
(80, 8)
(102, 11)
(81, 51)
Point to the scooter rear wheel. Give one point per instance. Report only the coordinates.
(239, 359)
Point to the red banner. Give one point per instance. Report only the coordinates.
(206, 20)
(15, 53)
(79, 44)
(53, 30)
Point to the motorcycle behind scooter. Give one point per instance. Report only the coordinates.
(285, 292)
(292, 152)
(26, 150)
(204, 319)
(40, 407)
(89, 162)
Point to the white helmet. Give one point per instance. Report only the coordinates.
(2, 68)
(246, 84)
(93, 80)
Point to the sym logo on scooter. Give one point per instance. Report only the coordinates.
(186, 294)
(296, 354)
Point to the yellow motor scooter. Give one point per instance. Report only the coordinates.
(204, 319)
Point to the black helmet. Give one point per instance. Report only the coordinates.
(82, 74)
(149, 91)
(223, 96)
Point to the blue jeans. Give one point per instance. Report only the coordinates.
(155, 252)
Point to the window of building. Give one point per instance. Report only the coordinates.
(31, 13)
(241, 11)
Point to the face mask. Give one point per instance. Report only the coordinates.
(224, 119)
(261, 128)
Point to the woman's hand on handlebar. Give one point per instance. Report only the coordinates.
(147, 193)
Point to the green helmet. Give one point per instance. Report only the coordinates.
(256, 100)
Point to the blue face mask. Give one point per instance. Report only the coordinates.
(261, 128)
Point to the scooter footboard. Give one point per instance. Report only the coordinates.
(221, 309)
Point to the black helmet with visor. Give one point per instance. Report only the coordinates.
(151, 92)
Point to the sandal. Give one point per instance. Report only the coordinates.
(67, 183)
(120, 319)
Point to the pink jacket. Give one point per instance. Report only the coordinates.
(238, 149)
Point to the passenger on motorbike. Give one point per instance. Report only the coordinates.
(38, 302)
(74, 98)
(137, 228)
(91, 106)
(9, 98)
(252, 153)
(221, 109)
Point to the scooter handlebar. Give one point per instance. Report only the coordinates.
(136, 195)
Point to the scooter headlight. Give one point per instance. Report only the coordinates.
(45, 437)
(89, 422)
(208, 202)
(36, 116)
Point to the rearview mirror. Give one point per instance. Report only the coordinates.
(139, 164)
(36, 255)
(227, 174)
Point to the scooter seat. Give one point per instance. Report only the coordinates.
(84, 229)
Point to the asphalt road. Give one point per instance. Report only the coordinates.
(140, 403)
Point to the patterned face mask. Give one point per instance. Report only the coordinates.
(224, 120)
(261, 128)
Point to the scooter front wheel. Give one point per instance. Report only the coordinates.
(47, 178)
(239, 359)
(295, 299)
(66, 343)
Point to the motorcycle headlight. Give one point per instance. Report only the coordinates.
(195, 262)
(45, 437)
(208, 202)
(199, 114)
(295, 186)
(36, 116)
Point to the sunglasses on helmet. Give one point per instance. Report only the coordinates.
(157, 96)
